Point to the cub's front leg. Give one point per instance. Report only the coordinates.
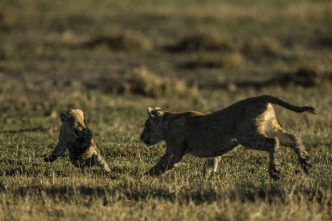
(167, 162)
(60, 148)
(58, 151)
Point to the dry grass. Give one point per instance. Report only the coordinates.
(67, 38)
(261, 48)
(143, 82)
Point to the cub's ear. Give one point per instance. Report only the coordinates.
(63, 117)
(153, 112)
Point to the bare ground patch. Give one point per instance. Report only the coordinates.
(125, 40)
(209, 60)
(203, 42)
(305, 77)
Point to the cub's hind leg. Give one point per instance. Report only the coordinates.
(100, 161)
(291, 140)
(210, 166)
(257, 141)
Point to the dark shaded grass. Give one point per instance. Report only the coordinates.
(203, 42)
(35, 129)
(244, 193)
(30, 172)
(228, 60)
(304, 77)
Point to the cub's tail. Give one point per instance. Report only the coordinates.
(285, 104)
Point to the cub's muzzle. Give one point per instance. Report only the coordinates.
(145, 140)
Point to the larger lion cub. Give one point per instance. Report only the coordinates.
(77, 137)
(251, 122)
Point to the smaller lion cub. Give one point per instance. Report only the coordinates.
(77, 137)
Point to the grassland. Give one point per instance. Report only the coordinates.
(112, 59)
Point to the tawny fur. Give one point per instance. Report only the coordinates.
(251, 122)
(77, 137)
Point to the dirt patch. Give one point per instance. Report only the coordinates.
(325, 42)
(203, 42)
(305, 77)
(120, 41)
(216, 61)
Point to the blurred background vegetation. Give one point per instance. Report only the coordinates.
(207, 43)
(112, 59)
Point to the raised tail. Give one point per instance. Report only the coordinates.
(285, 104)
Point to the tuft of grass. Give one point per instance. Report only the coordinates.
(143, 82)
(124, 40)
(256, 48)
(66, 38)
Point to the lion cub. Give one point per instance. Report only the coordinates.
(251, 122)
(77, 137)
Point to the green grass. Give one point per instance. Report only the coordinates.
(190, 55)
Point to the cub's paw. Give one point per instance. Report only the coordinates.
(275, 172)
(152, 172)
(306, 164)
(49, 159)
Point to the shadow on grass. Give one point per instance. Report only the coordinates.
(244, 193)
(304, 77)
(29, 172)
(34, 129)
(42, 172)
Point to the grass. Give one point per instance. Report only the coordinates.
(114, 59)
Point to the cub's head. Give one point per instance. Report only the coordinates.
(74, 122)
(153, 128)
